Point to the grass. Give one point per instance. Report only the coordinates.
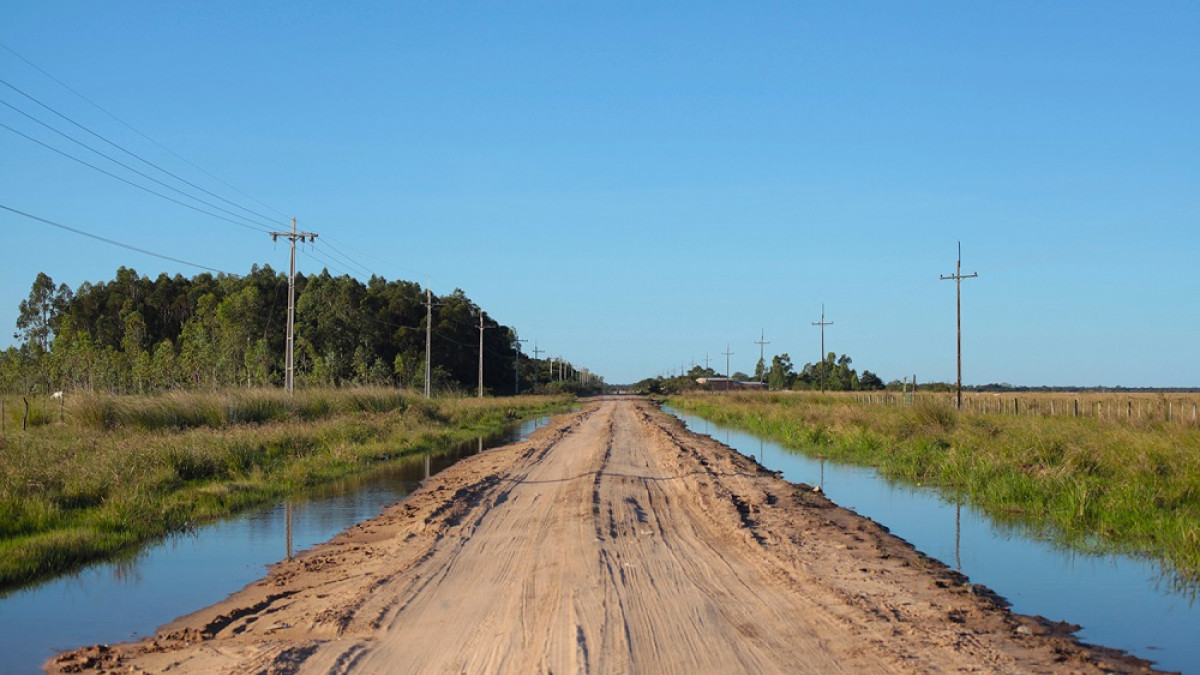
(1091, 484)
(120, 471)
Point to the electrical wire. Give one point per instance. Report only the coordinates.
(114, 242)
(127, 181)
(346, 258)
(389, 263)
(129, 152)
(130, 168)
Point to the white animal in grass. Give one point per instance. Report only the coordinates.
(57, 395)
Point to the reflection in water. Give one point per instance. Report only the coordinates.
(957, 534)
(288, 506)
(129, 598)
(1120, 601)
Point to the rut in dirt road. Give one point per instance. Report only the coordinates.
(591, 558)
(614, 541)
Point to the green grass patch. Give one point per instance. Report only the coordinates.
(1089, 484)
(120, 471)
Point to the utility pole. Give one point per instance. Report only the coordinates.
(429, 303)
(822, 323)
(727, 355)
(536, 351)
(706, 360)
(289, 360)
(762, 343)
(481, 329)
(517, 365)
(958, 277)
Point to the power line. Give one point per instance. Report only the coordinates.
(127, 181)
(822, 323)
(114, 242)
(290, 363)
(347, 258)
(958, 277)
(126, 166)
(148, 138)
(389, 263)
(762, 342)
(728, 353)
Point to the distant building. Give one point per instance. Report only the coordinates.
(725, 383)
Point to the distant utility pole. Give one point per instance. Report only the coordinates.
(481, 329)
(762, 343)
(958, 277)
(429, 303)
(727, 355)
(536, 351)
(517, 366)
(289, 360)
(822, 323)
(706, 360)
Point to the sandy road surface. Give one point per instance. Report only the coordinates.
(613, 541)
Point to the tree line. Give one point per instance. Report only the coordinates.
(834, 373)
(137, 334)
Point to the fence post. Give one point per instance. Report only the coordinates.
(1077, 407)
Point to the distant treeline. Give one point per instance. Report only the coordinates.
(834, 373)
(136, 334)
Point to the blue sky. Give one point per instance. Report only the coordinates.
(637, 185)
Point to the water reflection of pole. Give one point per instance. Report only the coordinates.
(287, 506)
(822, 457)
(480, 445)
(957, 534)
(427, 466)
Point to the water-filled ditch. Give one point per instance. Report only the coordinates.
(123, 600)
(1120, 601)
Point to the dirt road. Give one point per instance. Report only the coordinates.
(612, 541)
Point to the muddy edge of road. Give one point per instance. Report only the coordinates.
(910, 596)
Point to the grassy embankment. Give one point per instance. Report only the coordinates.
(1091, 484)
(123, 470)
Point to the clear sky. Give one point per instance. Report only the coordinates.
(636, 185)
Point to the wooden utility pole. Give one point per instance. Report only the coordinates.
(762, 343)
(728, 353)
(958, 277)
(429, 305)
(289, 359)
(822, 323)
(481, 329)
(517, 365)
(536, 351)
(428, 334)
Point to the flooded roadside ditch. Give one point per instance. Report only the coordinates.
(127, 599)
(1120, 601)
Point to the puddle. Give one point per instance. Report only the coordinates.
(1120, 601)
(123, 600)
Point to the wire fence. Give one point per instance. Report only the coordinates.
(1144, 408)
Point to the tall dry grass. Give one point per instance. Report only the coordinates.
(121, 470)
